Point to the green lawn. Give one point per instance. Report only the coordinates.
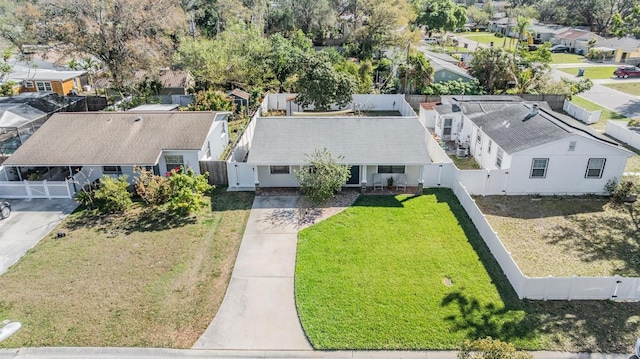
(593, 73)
(413, 273)
(604, 117)
(488, 37)
(561, 58)
(145, 278)
(632, 88)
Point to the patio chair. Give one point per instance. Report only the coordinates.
(401, 182)
(377, 181)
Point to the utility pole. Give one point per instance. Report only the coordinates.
(406, 69)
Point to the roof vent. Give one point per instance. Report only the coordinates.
(138, 119)
(534, 111)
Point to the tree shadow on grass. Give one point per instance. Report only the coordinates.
(221, 200)
(591, 326)
(148, 219)
(605, 238)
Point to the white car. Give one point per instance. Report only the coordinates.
(430, 41)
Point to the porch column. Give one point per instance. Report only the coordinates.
(363, 182)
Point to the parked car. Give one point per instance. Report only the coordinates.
(5, 210)
(533, 47)
(559, 48)
(627, 71)
(430, 41)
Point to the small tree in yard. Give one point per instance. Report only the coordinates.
(624, 192)
(113, 194)
(488, 348)
(187, 189)
(324, 176)
(151, 188)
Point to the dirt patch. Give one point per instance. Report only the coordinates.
(565, 236)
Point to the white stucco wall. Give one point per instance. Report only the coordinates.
(456, 125)
(190, 158)
(217, 139)
(566, 169)
(267, 179)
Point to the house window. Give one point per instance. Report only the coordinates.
(279, 170)
(446, 131)
(112, 170)
(539, 167)
(595, 167)
(207, 154)
(28, 84)
(173, 161)
(479, 138)
(489, 146)
(44, 86)
(499, 157)
(572, 146)
(390, 169)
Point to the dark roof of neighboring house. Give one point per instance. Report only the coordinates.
(374, 140)
(624, 43)
(549, 28)
(241, 94)
(574, 34)
(13, 115)
(168, 79)
(507, 128)
(48, 102)
(112, 138)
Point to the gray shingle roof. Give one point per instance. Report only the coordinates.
(506, 128)
(112, 138)
(379, 140)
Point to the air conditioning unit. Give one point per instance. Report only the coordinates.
(462, 152)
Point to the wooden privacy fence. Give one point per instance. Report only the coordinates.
(217, 172)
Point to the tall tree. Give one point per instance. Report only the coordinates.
(477, 15)
(416, 74)
(322, 85)
(494, 67)
(124, 35)
(385, 24)
(630, 24)
(440, 14)
(286, 55)
(597, 14)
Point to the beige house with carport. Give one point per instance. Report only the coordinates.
(87, 146)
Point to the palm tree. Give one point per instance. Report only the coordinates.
(522, 26)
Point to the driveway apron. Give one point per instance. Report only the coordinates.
(258, 311)
(30, 221)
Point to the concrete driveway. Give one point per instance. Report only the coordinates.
(29, 222)
(259, 311)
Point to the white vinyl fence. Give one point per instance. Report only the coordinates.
(581, 114)
(546, 288)
(36, 189)
(620, 131)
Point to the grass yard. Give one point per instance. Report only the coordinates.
(561, 58)
(632, 88)
(488, 37)
(584, 236)
(593, 73)
(143, 279)
(468, 163)
(412, 273)
(604, 117)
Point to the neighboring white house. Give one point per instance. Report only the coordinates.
(382, 136)
(543, 151)
(576, 39)
(113, 143)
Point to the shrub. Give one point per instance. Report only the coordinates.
(595, 54)
(488, 348)
(323, 177)
(187, 189)
(151, 188)
(619, 191)
(634, 122)
(113, 194)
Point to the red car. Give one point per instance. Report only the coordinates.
(627, 71)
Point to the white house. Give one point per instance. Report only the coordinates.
(379, 135)
(113, 143)
(542, 151)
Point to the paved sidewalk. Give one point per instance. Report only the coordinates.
(144, 353)
(259, 311)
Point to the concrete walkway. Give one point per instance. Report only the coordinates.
(258, 311)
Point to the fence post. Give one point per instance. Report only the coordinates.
(546, 288)
(569, 294)
(46, 189)
(27, 188)
(66, 183)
